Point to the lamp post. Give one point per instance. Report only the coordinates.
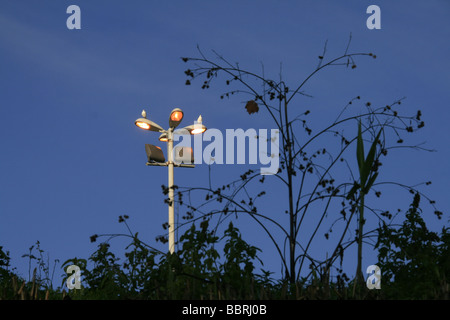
(155, 156)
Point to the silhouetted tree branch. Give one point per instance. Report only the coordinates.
(303, 159)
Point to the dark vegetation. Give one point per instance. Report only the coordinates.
(415, 264)
(324, 182)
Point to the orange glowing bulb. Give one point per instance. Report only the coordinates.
(176, 116)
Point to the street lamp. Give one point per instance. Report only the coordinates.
(155, 155)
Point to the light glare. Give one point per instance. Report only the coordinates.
(143, 125)
(198, 130)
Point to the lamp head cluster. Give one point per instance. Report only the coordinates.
(175, 118)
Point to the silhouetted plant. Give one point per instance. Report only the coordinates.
(195, 271)
(415, 261)
(42, 274)
(308, 169)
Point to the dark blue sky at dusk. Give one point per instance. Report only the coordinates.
(72, 159)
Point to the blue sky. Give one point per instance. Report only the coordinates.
(72, 160)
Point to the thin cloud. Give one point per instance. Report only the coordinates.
(57, 53)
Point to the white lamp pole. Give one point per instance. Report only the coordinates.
(171, 197)
(156, 157)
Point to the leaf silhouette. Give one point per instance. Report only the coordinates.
(360, 151)
(252, 107)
